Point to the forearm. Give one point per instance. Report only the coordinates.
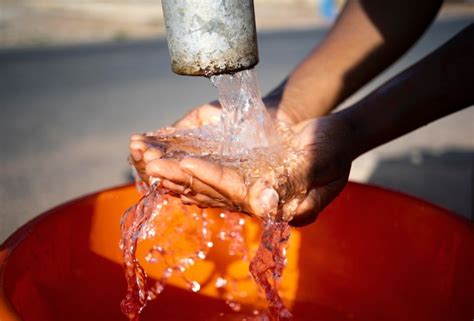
(438, 85)
(366, 38)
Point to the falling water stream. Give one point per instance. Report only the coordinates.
(246, 139)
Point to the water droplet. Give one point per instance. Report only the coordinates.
(159, 287)
(150, 258)
(159, 249)
(151, 296)
(167, 273)
(234, 306)
(195, 286)
(201, 255)
(220, 282)
(210, 244)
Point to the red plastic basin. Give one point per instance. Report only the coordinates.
(373, 254)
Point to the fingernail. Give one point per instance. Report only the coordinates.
(150, 155)
(266, 204)
(136, 149)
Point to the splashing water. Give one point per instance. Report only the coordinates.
(268, 263)
(180, 239)
(246, 124)
(245, 139)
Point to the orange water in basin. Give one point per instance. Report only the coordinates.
(372, 254)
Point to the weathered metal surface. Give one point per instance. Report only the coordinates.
(209, 37)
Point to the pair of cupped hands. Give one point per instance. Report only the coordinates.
(322, 144)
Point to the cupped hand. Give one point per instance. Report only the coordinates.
(141, 147)
(323, 146)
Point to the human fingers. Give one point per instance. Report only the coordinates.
(137, 148)
(182, 181)
(198, 117)
(263, 199)
(202, 201)
(208, 114)
(190, 191)
(151, 154)
(142, 149)
(166, 169)
(259, 199)
(141, 152)
(224, 180)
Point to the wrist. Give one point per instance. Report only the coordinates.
(279, 108)
(355, 132)
(300, 98)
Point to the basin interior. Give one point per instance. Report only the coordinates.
(371, 255)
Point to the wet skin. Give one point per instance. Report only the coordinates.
(210, 185)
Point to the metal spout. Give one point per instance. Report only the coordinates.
(210, 37)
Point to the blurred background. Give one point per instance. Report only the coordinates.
(78, 77)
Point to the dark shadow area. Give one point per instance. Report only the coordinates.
(443, 178)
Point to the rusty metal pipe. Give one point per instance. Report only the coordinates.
(210, 37)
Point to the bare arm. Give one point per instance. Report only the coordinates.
(368, 36)
(440, 84)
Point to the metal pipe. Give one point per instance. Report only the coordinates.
(210, 37)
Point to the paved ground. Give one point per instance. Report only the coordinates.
(66, 115)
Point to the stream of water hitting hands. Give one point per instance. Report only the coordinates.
(245, 139)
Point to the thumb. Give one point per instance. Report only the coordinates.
(263, 199)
